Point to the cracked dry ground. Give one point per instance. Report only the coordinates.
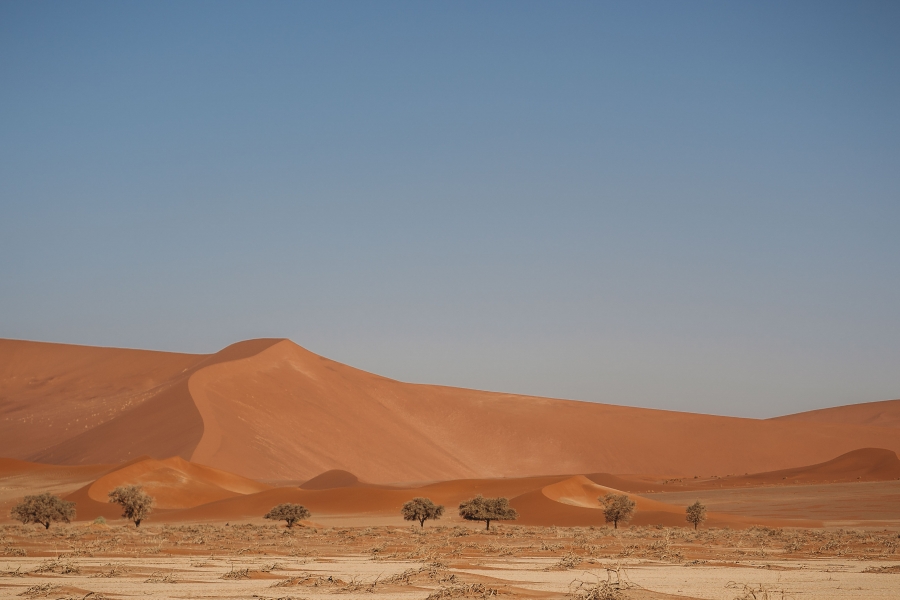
(266, 561)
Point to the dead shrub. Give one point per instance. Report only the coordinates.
(463, 590)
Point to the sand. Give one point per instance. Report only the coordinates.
(440, 562)
(272, 411)
(202, 433)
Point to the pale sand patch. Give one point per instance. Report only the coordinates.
(202, 577)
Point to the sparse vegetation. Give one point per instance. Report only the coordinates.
(44, 509)
(484, 509)
(421, 509)
(177, 553)
(135, 502)
(617, 507)
(695, 513)
(290, 513)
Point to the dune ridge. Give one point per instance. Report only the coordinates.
(885, 413)
(270, 410)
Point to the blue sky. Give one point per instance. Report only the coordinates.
(692, 206)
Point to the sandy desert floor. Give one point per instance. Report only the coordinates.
(836, 504)
(268, 561)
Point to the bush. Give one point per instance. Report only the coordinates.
(136, 504)
(291, 513)
(100, 521)
(617, 507)
(44, 509)
(484, 509)
(421, 509)
(695, 513)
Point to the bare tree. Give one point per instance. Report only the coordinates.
(421, 509)
(617, 507)
(484, 509)
(291, 513)
(44, 509)
(135, 502)
(695, 513)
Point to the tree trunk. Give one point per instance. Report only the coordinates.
(422, 523)
(695, 526)
(488, 521)
(46, 525)
(615, 523)
(137, 522)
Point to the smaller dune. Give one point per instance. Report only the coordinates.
(581, 491)
(176, 483)
(334, 478)
(865, 464)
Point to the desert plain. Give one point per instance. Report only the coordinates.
(799, 506)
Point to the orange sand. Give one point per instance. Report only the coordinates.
(271, 410)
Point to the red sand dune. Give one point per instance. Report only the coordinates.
(189, 492)
(176, 483)
(50, 393)
(879, 414)
(576, 502)
(865, 464)
(270, 410)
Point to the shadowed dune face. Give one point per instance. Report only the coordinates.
(50, 393)
(166, 423)
(331, 479)
(271, 410)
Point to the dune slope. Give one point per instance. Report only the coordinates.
(167, 423)
(50, 393)
(271, 410)
(175, 483)
(879, 414)
(288, 413)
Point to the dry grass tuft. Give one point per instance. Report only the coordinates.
(161, 577)
(760, 592)
(463, 590)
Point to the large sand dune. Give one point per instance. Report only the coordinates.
(271, 410)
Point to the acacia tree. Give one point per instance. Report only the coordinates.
(617, 507)
(695, 513)
(484, 509)
(135, 502)
(291, 513)
(44, 509)
(421, 509)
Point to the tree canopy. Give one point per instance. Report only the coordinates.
(695, 513)
(484, 509)
(44, 509)
(617, 507)
(421, 509)
(135, 502)
(290, 513)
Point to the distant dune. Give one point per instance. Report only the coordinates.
(878, 414)
(271, 410)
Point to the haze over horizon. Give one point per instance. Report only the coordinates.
(683, 206)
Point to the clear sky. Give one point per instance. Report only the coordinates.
(685, 205)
